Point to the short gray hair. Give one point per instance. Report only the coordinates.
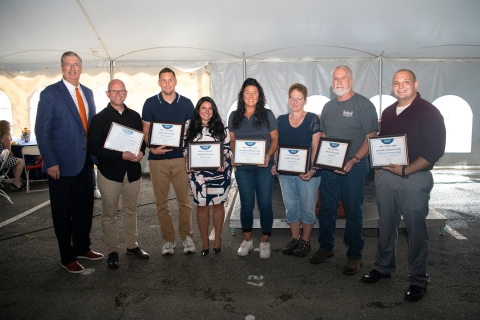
(69, 54)
(343, 66)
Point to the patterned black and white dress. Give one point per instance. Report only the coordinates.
(10, 160)
(211, 187)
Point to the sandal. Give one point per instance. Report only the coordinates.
(13, 187)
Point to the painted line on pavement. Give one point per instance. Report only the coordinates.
(26, 213)
(454, 233)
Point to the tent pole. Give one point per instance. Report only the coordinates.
(244, 62)
(111, 70)
(380, 64)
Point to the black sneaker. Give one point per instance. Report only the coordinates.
(302, 249)
(290, 247)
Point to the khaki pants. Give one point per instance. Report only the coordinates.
(111, 191)
(164, 172)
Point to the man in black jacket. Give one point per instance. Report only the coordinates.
(119, 173)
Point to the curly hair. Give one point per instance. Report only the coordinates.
(260, 115)
(215, 125)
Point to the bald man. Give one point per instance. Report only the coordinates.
(120, 173)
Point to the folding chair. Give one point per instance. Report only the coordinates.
(32, 151)
(3, 161)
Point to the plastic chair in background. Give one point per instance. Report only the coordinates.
(32, 165)
(3, 175)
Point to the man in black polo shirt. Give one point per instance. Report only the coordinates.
(167, 166)
(120, 173)
(406, 190)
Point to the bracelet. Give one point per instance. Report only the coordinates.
(355, 157)
(404, 176)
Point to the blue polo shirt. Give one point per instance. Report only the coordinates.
(156, 108)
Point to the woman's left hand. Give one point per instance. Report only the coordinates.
(307, 176)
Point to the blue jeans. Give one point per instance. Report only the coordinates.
(299, 198)
(351, 188)
(251, 181)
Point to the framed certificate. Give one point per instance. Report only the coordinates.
(332, 153)
(250, 152)
(165, 133)
(205, 155)
(121, 138)
(388, 149)
(293, 160)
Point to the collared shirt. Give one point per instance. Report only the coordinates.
(110, 162)
(71, 90)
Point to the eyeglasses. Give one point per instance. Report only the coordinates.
(293, 99)
(69, 65)
(117, 91)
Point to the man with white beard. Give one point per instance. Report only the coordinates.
(350, 117)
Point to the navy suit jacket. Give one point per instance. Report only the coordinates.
(61, 137)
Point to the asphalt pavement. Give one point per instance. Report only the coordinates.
(33, 285)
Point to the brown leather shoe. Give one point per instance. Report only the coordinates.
(73, 267)
(352, 266)
(91, 255)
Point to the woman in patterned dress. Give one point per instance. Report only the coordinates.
(209, 188)
(12, 161)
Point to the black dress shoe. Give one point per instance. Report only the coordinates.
(415, 293)
(112, 261)
(138, 253)
(205, 252)
(373, 276)
(217, 250)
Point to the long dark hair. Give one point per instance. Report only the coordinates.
(260, 111)
(215, 125)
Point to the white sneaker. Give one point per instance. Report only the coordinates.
(188, 245)
(168, 248)
(97, 194)
(264, 250)
(245, 247)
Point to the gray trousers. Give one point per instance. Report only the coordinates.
(409, 198)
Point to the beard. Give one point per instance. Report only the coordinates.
(341, 92)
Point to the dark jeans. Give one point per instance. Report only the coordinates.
(251, 181)
(71, 199)
(351, 187)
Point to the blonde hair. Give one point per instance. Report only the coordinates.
(5, 128)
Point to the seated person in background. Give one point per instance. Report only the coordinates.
(12, 161)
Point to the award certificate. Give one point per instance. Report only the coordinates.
(293, 160)
(121, 138)
(332, 153)
(250, 152)
(388, 149)
(165, 133)
(205, 155)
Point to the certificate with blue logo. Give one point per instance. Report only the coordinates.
(121, 138)
(388, 149)
(166, 133)
(293, 160)
(205, 155)
(249, 152)
(332, 153)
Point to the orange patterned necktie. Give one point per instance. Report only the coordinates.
(81, 109)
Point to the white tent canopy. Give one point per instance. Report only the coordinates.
(215, 43)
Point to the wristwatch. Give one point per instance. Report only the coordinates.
(404, 176)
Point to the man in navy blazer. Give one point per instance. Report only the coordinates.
(62, 140)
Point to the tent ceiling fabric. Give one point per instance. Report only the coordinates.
(35, 31)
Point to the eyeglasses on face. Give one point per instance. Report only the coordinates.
(293, 99)
(69, 65)
(117, 91)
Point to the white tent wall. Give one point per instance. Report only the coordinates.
(435, 78)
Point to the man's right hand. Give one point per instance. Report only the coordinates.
(160, 150)
(54, 172)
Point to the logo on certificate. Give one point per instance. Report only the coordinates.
(167, 126)
(334, 145)
(292, 151)
(250, 144)
(205, 147)
(387, 141)
(126, 131)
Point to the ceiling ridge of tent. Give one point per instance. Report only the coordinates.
(436, 46)
(94, 30)
(176, 47)
(313, 45)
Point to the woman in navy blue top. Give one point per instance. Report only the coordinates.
(299, 128)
